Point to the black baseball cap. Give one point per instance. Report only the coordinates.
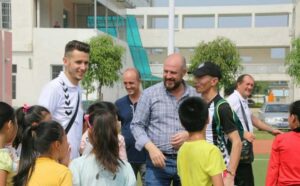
(208, 68)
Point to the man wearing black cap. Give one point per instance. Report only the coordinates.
(207, 77)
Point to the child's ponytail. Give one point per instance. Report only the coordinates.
(28, 154)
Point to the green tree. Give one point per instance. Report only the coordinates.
(293, 61)
(224, 53)
(87, 84)
(105, 63)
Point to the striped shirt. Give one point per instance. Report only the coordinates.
(156, 117)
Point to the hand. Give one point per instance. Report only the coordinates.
(178, 139)
(228, 180)
(276, 132)
(156, 156)
(249, 136)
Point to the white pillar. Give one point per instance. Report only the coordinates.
(3, 65)
(38, 14)
(171, 27)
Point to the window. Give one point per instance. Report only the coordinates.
(278, 53)
(65, 18)
(161, 22)
(156, 55)
(199, 21)
(14, 82)
(6, 15)
(246, 59)
(234, 21)
(55, 70)
(271, 20)
(140, 21)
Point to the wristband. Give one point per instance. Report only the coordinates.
(228, 172)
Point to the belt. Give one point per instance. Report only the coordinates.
(172, 156)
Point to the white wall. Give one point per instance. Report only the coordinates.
(48, 48)
(22, 26)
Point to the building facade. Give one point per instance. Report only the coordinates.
(262, 34)
(6, 68)
(42, 28)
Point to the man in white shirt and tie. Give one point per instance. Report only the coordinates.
(238, 100)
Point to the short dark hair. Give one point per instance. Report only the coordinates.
(295, 108)
(193, 114)
(240, 79)
(77, 45)
(7, 113)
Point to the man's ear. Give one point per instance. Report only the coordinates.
(215, 81)
(65, 60)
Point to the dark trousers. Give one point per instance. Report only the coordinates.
(244, 175)
(139, 167)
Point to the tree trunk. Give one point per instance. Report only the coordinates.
(100, 96)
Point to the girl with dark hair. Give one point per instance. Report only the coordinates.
(85, 145)
(26, 117)
(8, 130)
(284, 163)
(102, 166)
(43, 146)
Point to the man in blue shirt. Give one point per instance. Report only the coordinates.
(156, 125)
(126, 106)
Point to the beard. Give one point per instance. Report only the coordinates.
(172, 84)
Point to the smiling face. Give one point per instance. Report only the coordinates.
(174, 71)
(76, 64)
(246, 86)
(131, 82)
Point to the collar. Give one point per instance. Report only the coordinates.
(65, 79)
(239, 96)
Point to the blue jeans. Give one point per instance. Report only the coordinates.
(162, 176)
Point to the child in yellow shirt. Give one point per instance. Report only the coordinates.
(199, 163)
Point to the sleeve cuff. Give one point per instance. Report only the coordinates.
(141, 142)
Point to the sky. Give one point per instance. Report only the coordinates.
(163, 3)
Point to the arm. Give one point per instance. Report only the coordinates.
(234, 156)
(178, 139)
(156, 156)
(249, 136)
(140, 122)
(217, 180)
(3, 177)
(122, 148)
(230, 128)
(263, 126)
(273, 167)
